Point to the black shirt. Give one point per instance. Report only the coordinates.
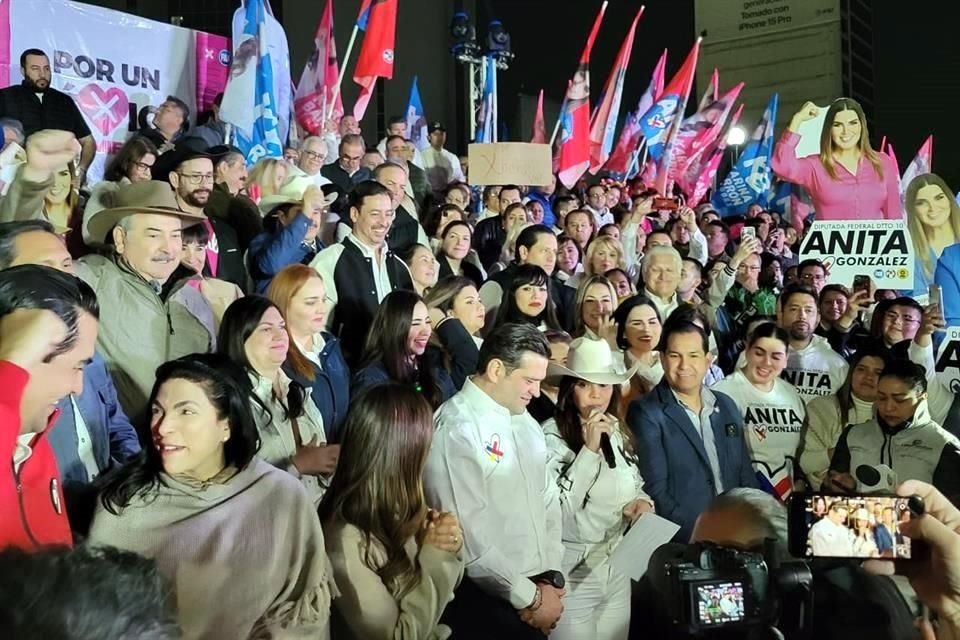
(56, 111)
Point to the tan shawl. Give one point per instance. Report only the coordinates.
(245, 553)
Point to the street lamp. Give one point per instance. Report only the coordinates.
(736, 137)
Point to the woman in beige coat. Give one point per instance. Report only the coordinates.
(395, 561)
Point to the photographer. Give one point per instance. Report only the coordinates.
(937, 579)
(848, 602)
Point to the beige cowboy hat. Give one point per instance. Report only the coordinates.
(291, 192)
(591, 360)
(149, 196)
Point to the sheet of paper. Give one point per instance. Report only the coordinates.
(632, 555)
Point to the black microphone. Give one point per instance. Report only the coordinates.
(607, 450)
(868, 475)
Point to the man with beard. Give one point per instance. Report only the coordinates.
(141, 326)
(360, 271)
(813, 367)
(190, 173)
(39, 106)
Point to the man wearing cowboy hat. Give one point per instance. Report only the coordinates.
(190, 171)
(141, 327)
(292, 218)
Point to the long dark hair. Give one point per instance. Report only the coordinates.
(131, 152)
(238, 324)
(387, 343)
(527, 274)
(229, 390)
(378, 487)
(568, 416)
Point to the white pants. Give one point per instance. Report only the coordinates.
(596, 607)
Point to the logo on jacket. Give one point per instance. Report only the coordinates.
(761, 431)
(492, 448)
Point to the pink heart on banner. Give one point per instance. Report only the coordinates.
(106, 108)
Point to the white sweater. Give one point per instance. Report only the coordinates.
(772, 421)
(822, 429)
(816, 370)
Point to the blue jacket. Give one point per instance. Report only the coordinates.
(947, 275)
(330, 387)
(113, 438)
(549, 217)
(673, 460)
(271, 252)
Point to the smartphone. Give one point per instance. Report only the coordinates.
(666, 203)
(748, 232)
(935, 296)
(861, 283)
(854, 527)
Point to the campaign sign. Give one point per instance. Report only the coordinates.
(880, 249)
(948, 359)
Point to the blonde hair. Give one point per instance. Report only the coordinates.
(579, 328)
(863, 145)
(264, 173)
(918, 230)
(603, 242)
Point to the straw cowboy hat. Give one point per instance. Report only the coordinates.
(149, 196)
(291, 192)
(591, 360)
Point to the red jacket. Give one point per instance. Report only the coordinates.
(31, 500)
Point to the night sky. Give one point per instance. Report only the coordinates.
(916, 74)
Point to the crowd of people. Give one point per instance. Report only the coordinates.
(345, 392)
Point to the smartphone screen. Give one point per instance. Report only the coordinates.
(849, 527)
(749, 232)
(719, 603)
(861, 283)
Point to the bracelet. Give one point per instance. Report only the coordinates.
(537, 600)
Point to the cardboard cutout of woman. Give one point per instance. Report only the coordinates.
(933, 217)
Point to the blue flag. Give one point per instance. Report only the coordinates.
(249, 102)
(484, 129)
(416, 119)
(749, 180)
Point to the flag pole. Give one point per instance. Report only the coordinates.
(343, 71)
(556, 127)
(493, 70)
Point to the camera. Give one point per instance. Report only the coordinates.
(708, 589)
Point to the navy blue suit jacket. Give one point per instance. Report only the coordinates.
(673, 459)
(113, 438)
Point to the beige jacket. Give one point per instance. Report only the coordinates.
(368, 610)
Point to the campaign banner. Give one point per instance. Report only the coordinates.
(948, 359)
(115, 65)
(880, 249)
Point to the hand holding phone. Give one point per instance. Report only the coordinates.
(935, 296)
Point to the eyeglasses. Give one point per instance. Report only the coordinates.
(143, 166)
(313, 155)
(905, 320)
(745, 267)
(196, 178)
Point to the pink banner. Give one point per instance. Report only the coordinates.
(5, 37)
(213, 66)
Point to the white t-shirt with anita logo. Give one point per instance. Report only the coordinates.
(772, 422)
(815, 371)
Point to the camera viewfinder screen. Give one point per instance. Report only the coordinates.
(856, 527)
(719, 603)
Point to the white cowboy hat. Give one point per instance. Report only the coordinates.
(591, 360)
(292, 191)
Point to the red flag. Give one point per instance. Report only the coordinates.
(698, 178)
(921, 163)
(574, 155)
(311, 104)
(376, 54)
(678, 89)
(699, 130)
(625, 153)
(604, 122)
(539, 128)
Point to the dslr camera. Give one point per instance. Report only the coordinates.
(712, 590)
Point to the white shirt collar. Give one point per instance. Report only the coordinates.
(482, 401)
(366, 250)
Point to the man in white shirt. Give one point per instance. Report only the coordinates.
(597, 205)
(487, 463)
(831, 536)
(491, 202)
(313, 155)
(813, 367)
(661, 268)
(442, 167)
